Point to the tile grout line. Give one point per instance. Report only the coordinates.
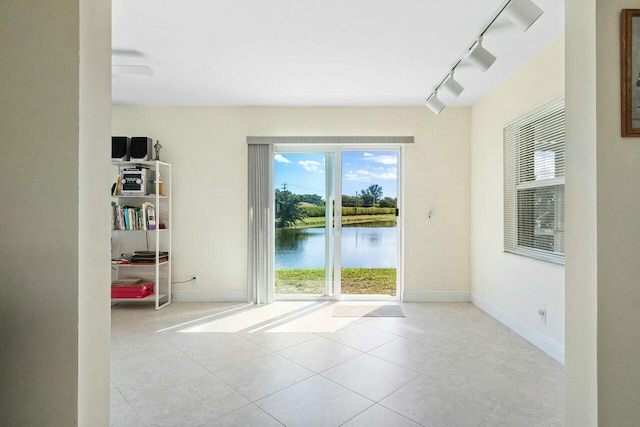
(129, 405)
(392, 410)
(376, 402)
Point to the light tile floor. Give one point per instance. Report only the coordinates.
(293, 364)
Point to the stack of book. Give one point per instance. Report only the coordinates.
(134, 218)
(131, 288)
(149, 257)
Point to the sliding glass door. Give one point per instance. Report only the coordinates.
(370, 234)
(325, 248)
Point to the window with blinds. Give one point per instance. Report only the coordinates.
(534, 166)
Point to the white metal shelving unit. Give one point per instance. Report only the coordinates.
(128, 241)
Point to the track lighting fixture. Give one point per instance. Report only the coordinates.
(451, 86)
(523, 13)
(480, 57)
(434, 103)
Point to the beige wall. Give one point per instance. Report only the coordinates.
(39, 219)
(618, 230)
(603, 371)
(45, 360)
(207, 148)
(94, 311)
(506, 284)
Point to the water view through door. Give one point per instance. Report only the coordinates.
(322, 249)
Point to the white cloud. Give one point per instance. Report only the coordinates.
(281, 159)
(369, 176)
(387, 176)
(383, 159)
(311, 165)
(367, 155)
(352, 176)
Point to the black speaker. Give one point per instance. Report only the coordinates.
(141, 148)
(120, 147)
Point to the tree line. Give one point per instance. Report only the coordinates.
(289, 209)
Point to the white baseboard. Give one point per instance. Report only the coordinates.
(436, 296)
(209, 296)
(532, 335)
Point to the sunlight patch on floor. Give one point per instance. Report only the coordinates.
(284, 316)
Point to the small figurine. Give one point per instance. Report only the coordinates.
(158, 147)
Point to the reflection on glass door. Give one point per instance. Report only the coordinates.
(304, 238)
(369, 237)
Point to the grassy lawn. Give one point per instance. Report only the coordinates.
(355, 219)
(381, 281)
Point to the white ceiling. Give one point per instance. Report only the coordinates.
(314, 52)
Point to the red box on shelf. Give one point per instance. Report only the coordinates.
(136, 291)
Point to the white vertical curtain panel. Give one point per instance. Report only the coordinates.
(260, 248)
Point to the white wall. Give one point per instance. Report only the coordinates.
(44, 326)
(581, 226)
(510, 286)
(207, 148)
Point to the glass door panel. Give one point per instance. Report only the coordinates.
(369, 234)
(304, 237)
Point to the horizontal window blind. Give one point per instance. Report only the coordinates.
(534, 173)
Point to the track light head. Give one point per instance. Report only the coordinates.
(480, 57)
(434, 103)
(451, 86)
(523, 13)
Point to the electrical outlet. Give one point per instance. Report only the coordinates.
(542, 313)
(194, 280)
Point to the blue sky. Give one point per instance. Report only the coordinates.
(304, 172)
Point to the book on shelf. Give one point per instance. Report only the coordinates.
(149, 257)
(116, 187)
(134, 217)
(151, 216)
(149, 253)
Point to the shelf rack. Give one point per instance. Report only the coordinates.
(129, 240)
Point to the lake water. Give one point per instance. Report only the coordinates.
(372, 245)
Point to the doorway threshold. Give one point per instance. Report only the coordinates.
(363, 298)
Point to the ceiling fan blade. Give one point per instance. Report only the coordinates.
(131, 53)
